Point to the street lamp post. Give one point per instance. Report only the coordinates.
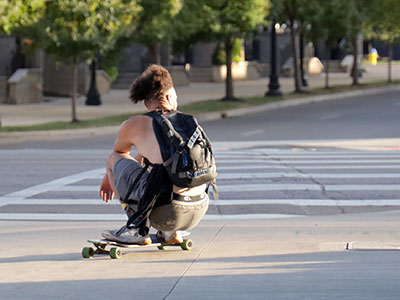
(93, 96)
(273, 86)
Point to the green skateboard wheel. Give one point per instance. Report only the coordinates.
(115, 253)
(162, 247)
(187, 244)
(87, 252)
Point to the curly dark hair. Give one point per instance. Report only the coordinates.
(151, 85)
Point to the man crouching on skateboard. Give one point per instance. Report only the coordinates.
(188, 205)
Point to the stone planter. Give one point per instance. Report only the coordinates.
(239, 72)
(25, 86)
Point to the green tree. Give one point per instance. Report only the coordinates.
(156, 24)
(328, 22)
(18, 15)
(287, 11)
(75, 31)
(223, 21)
(357, 19)
(384, 17)
(305, 17)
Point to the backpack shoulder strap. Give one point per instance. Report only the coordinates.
(165, 123)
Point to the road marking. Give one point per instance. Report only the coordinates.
(48, 186)
(121, 217)
(264, 159)
(334, 156)
(308, 202)
(356, 144)
(338, 167)
(225, 176)
(308, 162)
(53, 185)
(65, 201)
(298, 157)
(252, 132)
(250, 187)
(301, 153)
(250, 217)
(221, 202)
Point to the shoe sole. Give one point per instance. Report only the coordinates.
(143, 243)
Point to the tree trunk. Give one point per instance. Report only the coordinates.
(154, 51)
(354, 70)
(303, 74)
(229, 80)
(390, 56)
(327, 65)
(327, 72)
(73, 95)
(296, 64)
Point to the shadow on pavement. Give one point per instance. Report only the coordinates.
(325, 275)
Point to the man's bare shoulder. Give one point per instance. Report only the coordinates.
(135, 122)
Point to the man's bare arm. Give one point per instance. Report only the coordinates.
(122, 148)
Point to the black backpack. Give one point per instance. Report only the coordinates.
(186, 150)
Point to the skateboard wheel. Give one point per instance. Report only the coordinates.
(87, 252)
(115, 253)
(187, 244)
(162, 247)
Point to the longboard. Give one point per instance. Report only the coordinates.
(115, 251)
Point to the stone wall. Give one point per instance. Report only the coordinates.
(133, 59)
(202, 55)
(3, 89)
(57, 79)
(7, 48)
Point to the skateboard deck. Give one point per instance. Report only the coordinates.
(115, 251)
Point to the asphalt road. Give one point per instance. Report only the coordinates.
(255, 244)
(376, 116)
(269, 181)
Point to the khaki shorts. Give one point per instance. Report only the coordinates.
(180, 214)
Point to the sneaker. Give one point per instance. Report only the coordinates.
(170, 237)
(127, 236)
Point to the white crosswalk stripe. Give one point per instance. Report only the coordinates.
(253, 184)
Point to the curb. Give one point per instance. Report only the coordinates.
(211, 116)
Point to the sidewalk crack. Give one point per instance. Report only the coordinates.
(193, 261)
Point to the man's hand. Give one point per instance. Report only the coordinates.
(106, 192)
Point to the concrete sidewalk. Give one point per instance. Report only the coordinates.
(295, 258)
(117, 102)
